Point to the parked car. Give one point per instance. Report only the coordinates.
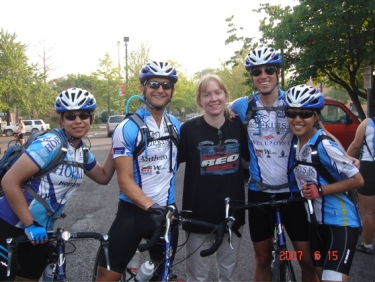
(31, 125)
(112, 122)
(338, 120)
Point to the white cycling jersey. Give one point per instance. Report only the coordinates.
(55, 188)
(270, 141)
(152, 167)
(370, 139)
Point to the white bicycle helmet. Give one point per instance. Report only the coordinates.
(263, 56)
(158, 69)
(75, 99)
(304, 96)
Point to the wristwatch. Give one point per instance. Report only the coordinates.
(320, 190)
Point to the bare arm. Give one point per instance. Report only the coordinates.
(20, 172)
(358, 138)
(102, 174)
(124, 169)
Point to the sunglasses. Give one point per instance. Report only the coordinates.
(156, 84)
(72, 116)
(302, 115)
(268, 70)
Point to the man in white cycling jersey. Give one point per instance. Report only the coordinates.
(146, 180)
(269, 146)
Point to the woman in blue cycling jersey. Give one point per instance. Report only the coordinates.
(20, 212)
(334, 224)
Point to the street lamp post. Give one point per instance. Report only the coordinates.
(126, 40)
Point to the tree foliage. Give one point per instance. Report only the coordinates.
(21, 86)
(330, 40)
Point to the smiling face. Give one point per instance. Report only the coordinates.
(267, 80)
(302, 122)
(160, 96)
(213, 98)
(78, 127)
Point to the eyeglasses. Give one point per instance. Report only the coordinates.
(268, 70)
(156, 84)
(302, 115)
(72, 116)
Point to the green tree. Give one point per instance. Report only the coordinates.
(330, 40)
(20, 82)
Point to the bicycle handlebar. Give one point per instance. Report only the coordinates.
(218, 229)
(59, 235)
(272, 203)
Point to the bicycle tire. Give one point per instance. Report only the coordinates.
(12, 142)
(282, 271)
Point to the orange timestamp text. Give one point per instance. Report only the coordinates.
(331, 255)
(290, 255)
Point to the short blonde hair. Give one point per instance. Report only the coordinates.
(202, 86)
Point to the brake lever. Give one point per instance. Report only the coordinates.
(11, 247)
(168, 218)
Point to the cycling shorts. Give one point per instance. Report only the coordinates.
(333, 247)
(32, 260)
(367, 169)
(262, 219)
(130, 226)
(20, 136)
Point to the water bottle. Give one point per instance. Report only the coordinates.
(145, 272)
(48, 273)
(133, 266)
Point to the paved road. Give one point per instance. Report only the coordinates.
(93, 207)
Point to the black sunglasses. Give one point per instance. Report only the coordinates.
(267, 70)
(302, 115)
(156, 84)
(72, 116)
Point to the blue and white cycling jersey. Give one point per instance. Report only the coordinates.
(55, 188)
(269, 141)
(151, 168)
(370, 140)
(332, 209)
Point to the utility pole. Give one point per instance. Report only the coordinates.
(126, 40)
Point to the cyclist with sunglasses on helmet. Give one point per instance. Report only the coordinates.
(20, 212)
(269, 146)
(335, 222)
(146, 180)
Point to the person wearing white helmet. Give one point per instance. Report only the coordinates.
(21, 130)
(334, 219)
(21, 213)
(269, 147)
(147, 177)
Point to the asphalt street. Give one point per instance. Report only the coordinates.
(93, 208)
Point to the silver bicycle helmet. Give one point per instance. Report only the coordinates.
(75, 99)
(158, 69)
(263, 56)
(304, 96)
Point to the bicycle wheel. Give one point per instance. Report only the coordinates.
(283, 270)
(12, 142)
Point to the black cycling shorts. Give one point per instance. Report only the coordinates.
(130, 226)
(31, 259)
(262, 220)
(333, 247)
(367, 170)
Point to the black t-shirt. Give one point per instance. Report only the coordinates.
(213, 168)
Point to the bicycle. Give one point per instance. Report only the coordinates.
(15, 141)
(163, 272)
(282, 268)
(56, 266)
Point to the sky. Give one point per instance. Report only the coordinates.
(76, 33)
